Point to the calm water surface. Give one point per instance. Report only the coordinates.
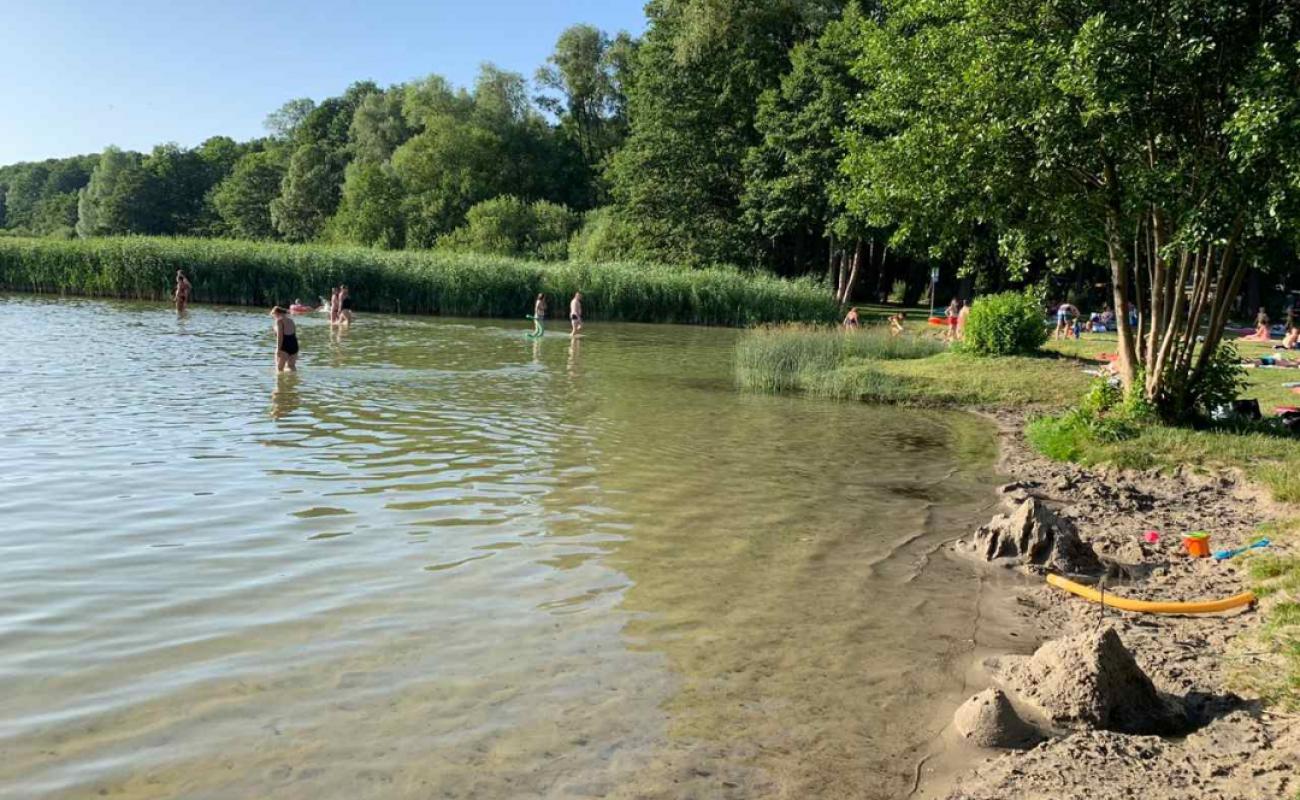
(446, 562)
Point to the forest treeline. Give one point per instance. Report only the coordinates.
(712, 138)
(863, 142)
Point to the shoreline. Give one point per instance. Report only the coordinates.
(1237, 748)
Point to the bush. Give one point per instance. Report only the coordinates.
(508, 226)
(603, 236)
(421, 282)
(1004, 324)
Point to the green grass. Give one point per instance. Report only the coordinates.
(916, 368)
(1274, 574)
(422, 282)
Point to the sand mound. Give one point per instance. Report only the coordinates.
(1035, 537)
(988, 720)
(1091, 681)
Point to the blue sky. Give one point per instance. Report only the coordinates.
(80, 74)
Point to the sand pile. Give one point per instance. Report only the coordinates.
(988, 720)
(1034, 537)
(1090, 680)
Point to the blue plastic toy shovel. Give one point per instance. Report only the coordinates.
(1223, 555)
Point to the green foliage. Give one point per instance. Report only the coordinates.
(309, 194)
(1004, 324)
(243, 200)
(1187, 396)
(509, 226)
(699, 72)
(370, 212)
(790, 357)
(602, 236)
(252, 273)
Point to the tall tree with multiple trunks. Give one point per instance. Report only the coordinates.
(1160, 136)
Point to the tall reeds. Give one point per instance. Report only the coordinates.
(419, 282)
(802, 357)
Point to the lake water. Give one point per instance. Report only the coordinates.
(442, 561)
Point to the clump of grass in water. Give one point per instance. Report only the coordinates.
(805, 357)
(420, 282)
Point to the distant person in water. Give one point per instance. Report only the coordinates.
(539, 314)
(896, 323)
(851, 321)
(575, 314)
(182, 295)
(345, 305)
(334, 306)
(286, 341)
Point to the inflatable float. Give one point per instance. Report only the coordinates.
(540, 329)
(1150, 606)
(298, 308)
(938, 320)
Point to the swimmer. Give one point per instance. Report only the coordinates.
(182, 294)
(539, 314)
(286, 341)
(575, 314)
(851, 319)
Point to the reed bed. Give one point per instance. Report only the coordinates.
(417, 282)
(804, 357)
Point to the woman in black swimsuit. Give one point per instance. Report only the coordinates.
(286, 341)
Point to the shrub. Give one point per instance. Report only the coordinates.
(790, 357)
(1004, 324)
(508, 226)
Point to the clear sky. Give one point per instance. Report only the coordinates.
(78, 75)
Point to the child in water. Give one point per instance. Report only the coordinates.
(345, 305)
(575, 314)
(539, 314)
(182, 295)
(286, 341)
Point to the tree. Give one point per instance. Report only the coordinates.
(103, 206)
(177, 184)
(1092, 130)
(370, 212)
(510, 226)
(586, 74)
(283, 123)
(699, 71)
(378, 126)
(243, 200)
(309, 193)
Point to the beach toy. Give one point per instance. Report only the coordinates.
(1151, 537)
(1224, 555)
(541, 328)
(1151, 606)
(1197, 544)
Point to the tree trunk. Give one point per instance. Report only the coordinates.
(830, 262)
(858, 250)
(1119, 276)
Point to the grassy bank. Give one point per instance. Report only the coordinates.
(914, 369)
(420, 282)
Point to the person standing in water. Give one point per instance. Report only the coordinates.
(539, 314)
(575, 314)
(334, 306)
(286, 341)
(182, 294)
(345, 305)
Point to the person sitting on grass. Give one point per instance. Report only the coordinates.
(1261, 333)
(851, 319)
(1292, 339)
(896, 323)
